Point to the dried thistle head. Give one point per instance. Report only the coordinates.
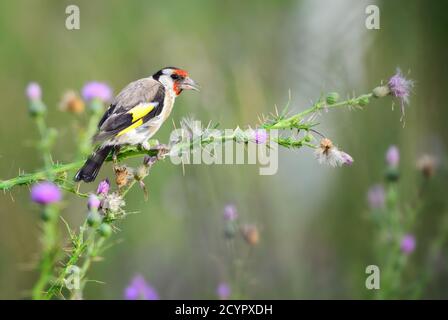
(427, 164)
(122, 175)
(250, 234)
(326, 145)
(72, 102)
(141, 172)
(113, 202)
(327, 153)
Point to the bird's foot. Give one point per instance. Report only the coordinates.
(115, 156)
(162, 150)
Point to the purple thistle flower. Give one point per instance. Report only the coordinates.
(223, 291)
(230, 212)
(103, 187)
(348, 160)
(400, 87)
(138, 289)
(99, 90)
(407, 244)
(393, 156)
(33, 91)
(376, 197)
(93, 203)
(260, 136)
(45, 193)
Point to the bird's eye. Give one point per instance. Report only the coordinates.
(175, 76)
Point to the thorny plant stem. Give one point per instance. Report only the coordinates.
(293, 122)
(88, 250)
(49, 251)
(45, 143)
(49, 236)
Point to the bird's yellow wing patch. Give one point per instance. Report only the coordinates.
(141, 110)
(136, 124)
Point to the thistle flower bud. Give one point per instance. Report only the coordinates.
(363, 101)
(392, 174)
(47, 214)
(381, 91)
(332, 98)
(230, 230)
(308, 138)
(34, 94)
(36, 108)
(105, 230)
(93, 218)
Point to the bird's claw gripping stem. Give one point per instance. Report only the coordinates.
(162, 150)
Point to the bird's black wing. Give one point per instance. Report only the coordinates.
(121, 113)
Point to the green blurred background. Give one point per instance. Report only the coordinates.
(315, 234)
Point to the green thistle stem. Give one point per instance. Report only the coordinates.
(49, 252)
(293, 122)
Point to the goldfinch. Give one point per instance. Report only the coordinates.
(135, 115)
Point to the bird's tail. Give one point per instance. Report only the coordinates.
(90, 169)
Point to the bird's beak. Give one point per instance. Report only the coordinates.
(189, 84)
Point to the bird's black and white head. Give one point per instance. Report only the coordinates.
(175, 79)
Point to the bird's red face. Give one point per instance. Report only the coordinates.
(181, 81)
(177, 79)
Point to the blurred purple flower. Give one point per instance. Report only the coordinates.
(400, 87)
(393, 156)
(100, 90)
(223, 291)
(138, 289)
(230, 212)
(260, 136)
(93, 202)
(376, 197)
(103, 187)
(33, 91)
(407, 244)
(45, 193)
